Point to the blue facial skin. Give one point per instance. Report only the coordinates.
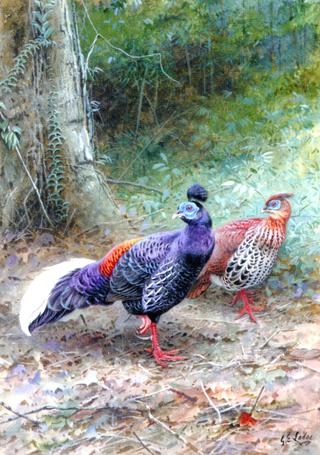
(188, 210)
(274, 205)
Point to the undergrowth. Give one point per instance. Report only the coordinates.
(243, 148)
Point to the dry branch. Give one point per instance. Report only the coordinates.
(18, 414)
(211, 402)
(256, 401)
(271, 336)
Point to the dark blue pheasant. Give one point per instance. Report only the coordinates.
(149, 275)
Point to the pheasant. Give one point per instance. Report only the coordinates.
(149, 276)
(245, 253)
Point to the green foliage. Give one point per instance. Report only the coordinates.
(9, 134)
(41, 22)
(209, 47)
(243, 121)
(243, 148)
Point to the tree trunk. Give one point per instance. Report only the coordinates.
(53, 74)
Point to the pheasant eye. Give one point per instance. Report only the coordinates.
(189, 208)
(276, 204)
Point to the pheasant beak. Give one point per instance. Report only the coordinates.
(177, 215)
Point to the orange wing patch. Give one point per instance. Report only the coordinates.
(109, 262)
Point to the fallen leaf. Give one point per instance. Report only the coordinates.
(246, 419)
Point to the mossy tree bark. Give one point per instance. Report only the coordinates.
(54, 69)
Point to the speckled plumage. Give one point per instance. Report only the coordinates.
(253, 260)
(246, 250)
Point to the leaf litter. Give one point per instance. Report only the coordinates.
(86, 385)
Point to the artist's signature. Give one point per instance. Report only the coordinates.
(299, 437)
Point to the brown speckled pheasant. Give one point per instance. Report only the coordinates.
(245, 253)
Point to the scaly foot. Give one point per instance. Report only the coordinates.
(248, 307)
(161, 356)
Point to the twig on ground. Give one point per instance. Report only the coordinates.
(211, 402)
(34, 186)
(308, 367)
(178, 436)
(232, 363)
(183, 394)
(275, 360)
(69, 221)
(284, 414)
(97, 227)
(142, 443)
(270, 337)
(54, 408)
(139, 397)
(234, 406)
(257, 399)
(138, 185)
(217, 321)
(18, 414)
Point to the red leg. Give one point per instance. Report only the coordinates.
(159, 355)
(247, 304)
(145, 326)
(235, 299)
(238, 296)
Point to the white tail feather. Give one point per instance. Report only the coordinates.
(35, 299)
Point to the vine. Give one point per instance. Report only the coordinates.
(11, 81)
(43, 31)
(9, 134)
(53, 184)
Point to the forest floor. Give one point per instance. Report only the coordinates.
(87, 386)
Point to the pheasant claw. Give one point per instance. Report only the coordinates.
(248, 307)
(161, 356)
